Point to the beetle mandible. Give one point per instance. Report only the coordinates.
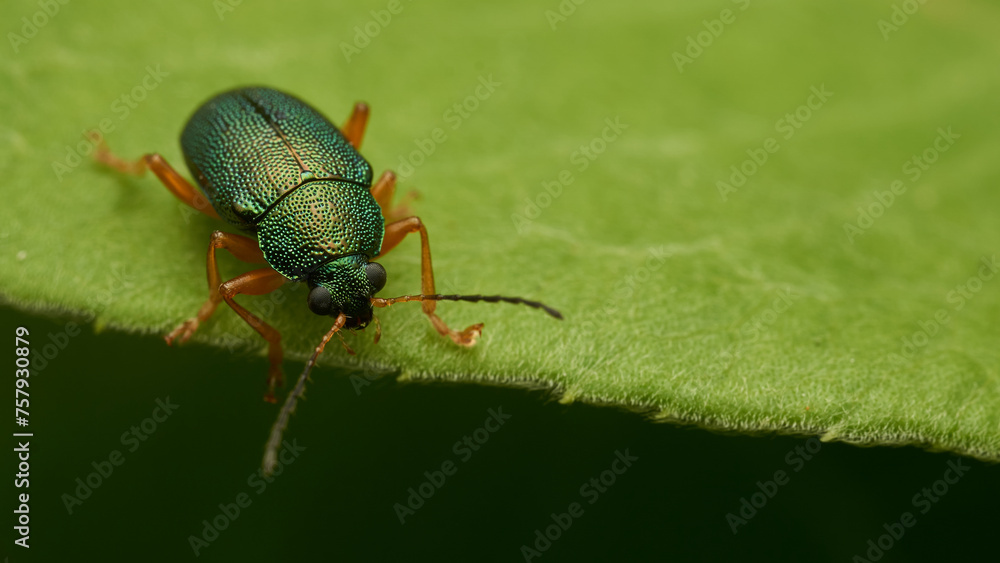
(272, 166)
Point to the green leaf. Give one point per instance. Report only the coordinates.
(740, 305)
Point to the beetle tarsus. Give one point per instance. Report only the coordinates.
(275, 379)
(104, 155)
(183, 331)
(272, 384)
(378, 330)
(466, 338)
(469, 336)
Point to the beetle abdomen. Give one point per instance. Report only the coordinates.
(249, 147)
(320, 221)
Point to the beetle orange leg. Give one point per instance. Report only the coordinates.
(384, 189)
(259, 282)
(256, 282)
(243, 248)
(166, 173)
(354, 129)
(394, 233)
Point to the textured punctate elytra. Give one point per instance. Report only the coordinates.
(251, 146)
(271, 164)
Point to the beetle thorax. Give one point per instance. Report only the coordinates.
(318, 222)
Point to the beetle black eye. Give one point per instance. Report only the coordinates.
(376, 275)
(320, 301)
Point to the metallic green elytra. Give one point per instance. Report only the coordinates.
(271, 165)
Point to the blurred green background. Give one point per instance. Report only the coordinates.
(369, 439)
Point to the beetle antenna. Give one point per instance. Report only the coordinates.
(379, 302)
(278, 429)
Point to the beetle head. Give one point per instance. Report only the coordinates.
(346, 285)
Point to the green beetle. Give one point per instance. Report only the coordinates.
(274, 167)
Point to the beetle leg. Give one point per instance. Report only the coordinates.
(384, 189)
(166, 173)
(243, 248)
(394, 233)
(259, 282)
(354, 129)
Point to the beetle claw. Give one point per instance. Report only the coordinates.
(275, 378)
(183, 331)
(402, 208)
(467, 337)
